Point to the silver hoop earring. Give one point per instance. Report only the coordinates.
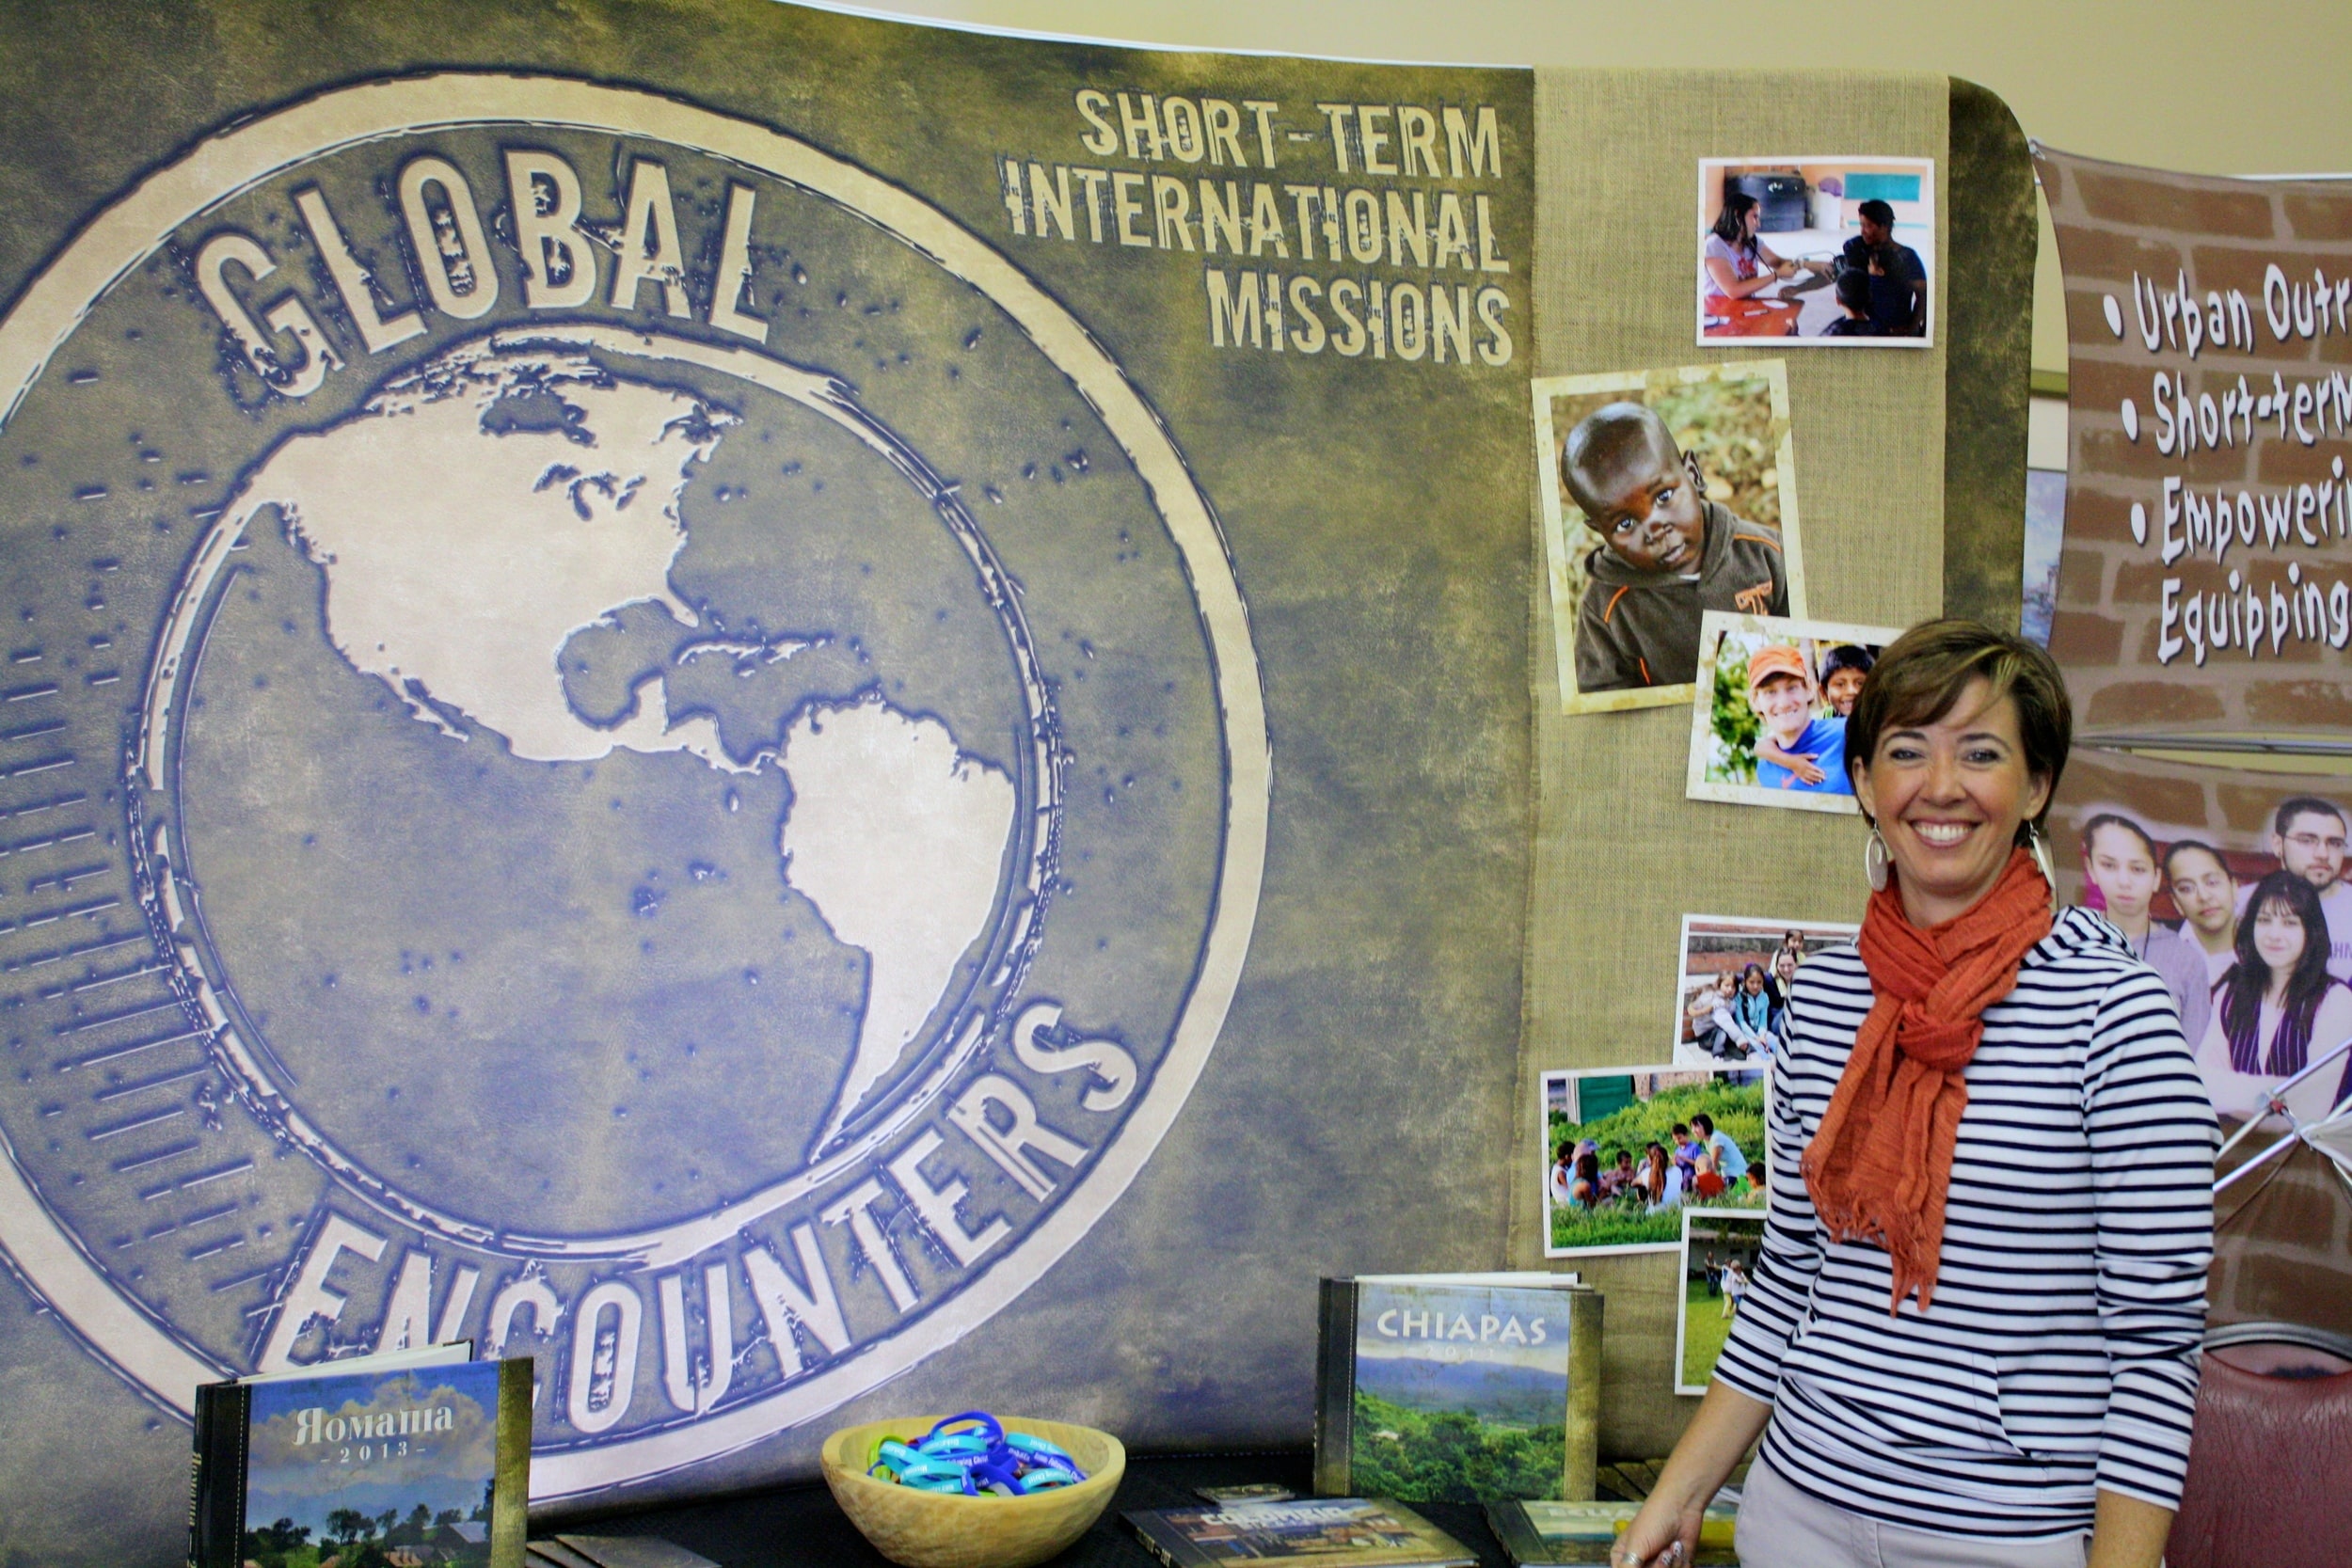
(2037, 845)
(1876, 861)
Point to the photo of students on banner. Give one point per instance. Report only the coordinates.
(1732, 1003)
(1665, 494)
(2242, 908)
(1625, 1148)
(1844, 264)
(1767, 715)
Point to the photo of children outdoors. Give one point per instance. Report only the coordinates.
(2246, 915)
(1625, 1150)
(1821, 252)
(1718, 1264)
(1665, 494)
(1731, 1007)
(1768, 716)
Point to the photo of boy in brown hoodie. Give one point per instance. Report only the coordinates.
(1668, 555)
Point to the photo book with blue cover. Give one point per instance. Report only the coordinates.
(417, 1457)
(1472, 1387)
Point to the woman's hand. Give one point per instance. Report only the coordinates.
(1666, 1530)
(1661, 1533)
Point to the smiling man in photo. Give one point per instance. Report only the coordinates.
(1796, 747)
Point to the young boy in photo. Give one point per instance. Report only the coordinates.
(1795, 748)
(1844, 669)
(1686, 1150)
(1853, 297)
(1617, 1175)
(1668, 553)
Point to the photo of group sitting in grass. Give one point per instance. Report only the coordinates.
(1732, 1002)
(1626, 1149)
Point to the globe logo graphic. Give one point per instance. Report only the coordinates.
(795, 718)
(709, 857)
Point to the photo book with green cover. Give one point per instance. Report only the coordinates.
(1471, 1387)
(1570, 1535)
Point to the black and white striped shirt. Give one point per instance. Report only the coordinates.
(2059, 1354)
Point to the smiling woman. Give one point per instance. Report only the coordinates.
(1994, 1399)
(1956, 745)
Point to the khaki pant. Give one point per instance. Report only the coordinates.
(1780, 1527)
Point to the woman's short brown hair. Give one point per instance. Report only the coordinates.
(1920, 676)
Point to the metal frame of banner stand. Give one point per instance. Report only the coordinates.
(2295, 1135)
(2285, 746)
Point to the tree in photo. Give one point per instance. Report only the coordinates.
(1452, 1455)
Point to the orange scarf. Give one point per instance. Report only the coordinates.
(1882, 1163)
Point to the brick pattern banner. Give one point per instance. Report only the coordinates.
(2206, 584)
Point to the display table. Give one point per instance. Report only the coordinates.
(791, 1525)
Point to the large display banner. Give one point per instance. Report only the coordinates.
(2206, 583)
(646, 721)
(2204, 590)
(1905, 456)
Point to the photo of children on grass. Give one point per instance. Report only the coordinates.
(1718, 1265)
(1665, 494)
(1768, 716)
(1731, 1008)
(1624, 1149)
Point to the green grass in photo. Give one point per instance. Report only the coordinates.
(1704, 1330)
(1738, 1110)
(1626, 1225)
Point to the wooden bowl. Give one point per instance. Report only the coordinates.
(935, 1530)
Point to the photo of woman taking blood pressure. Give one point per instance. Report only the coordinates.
(1938, 1375)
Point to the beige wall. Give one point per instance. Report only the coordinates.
(2173, 84)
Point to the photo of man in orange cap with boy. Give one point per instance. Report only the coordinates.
(1798, 746)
